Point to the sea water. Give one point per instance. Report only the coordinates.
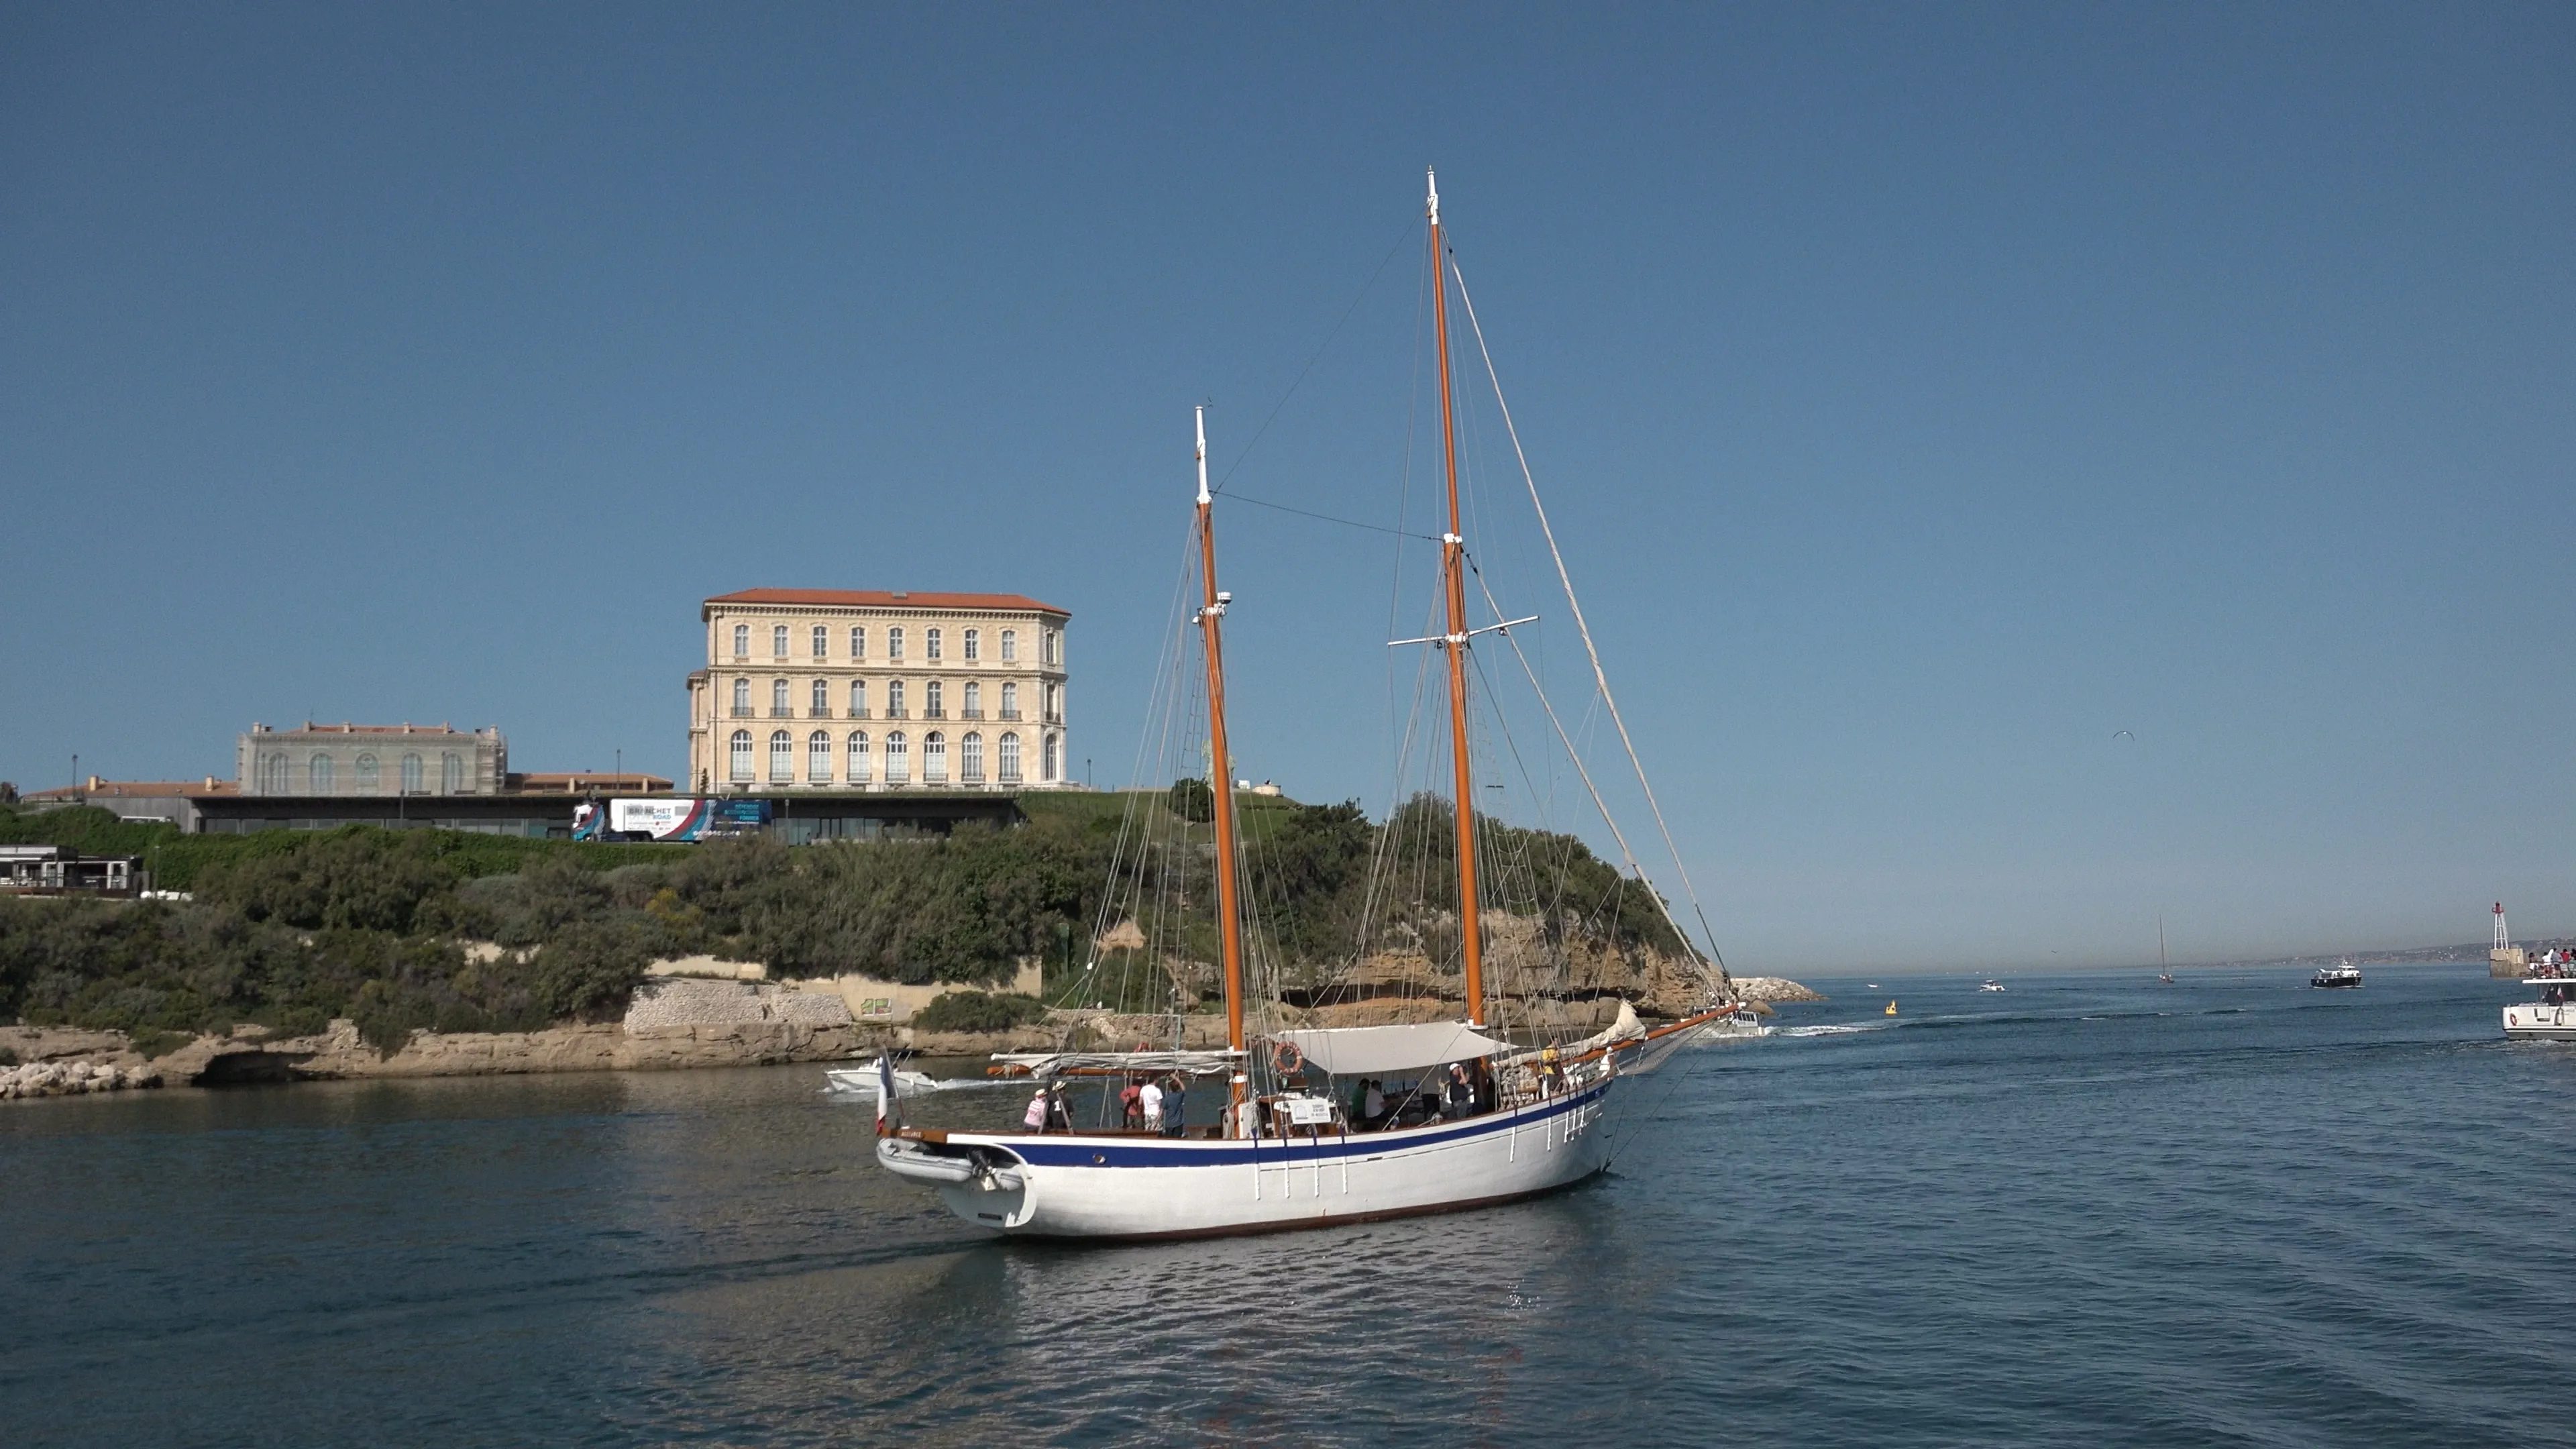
(2090, 1209)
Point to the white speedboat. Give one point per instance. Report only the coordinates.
(1990, 985)
(2551, 1018)
(869, 1081)
(2340, 974)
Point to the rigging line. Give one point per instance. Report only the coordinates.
(1599, 675)
(1326, 346)
(1326, 517)
(1580, 769)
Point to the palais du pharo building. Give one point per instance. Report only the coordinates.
(862, 689)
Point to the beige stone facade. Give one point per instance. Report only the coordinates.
(356, 759)
(833, 689)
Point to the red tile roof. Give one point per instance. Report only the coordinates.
(887, 599)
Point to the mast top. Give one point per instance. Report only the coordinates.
(1431, 181)
(1202, 455)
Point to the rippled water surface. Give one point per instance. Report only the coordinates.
(2088, 1210)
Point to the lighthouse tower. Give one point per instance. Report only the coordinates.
(2505, 960)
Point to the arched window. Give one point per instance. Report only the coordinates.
(818, 758)
(778, 699)
(741, 745)
(317, 775)
(934, 758)
(894, 644)
(1010, 701)
(778, 640)
(782, 757)
(858, 643)
(930, 644)
(970, 759)
(858, 757)
(894, 699)
(742, 641)
(930, 700)
(1046, 765)
(858, 699)
(1009, 762)
(369, 782)
(1010, 646)
(742, 699)
(822, 642)
(451, 775)
(974, 700)
(821, 699)
(411, 776)
(274, 775)
(898, 764)
(974, 645)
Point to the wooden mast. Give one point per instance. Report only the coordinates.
(1453, 579)
(1221, 768)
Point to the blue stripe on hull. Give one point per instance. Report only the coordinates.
(1180, 1152)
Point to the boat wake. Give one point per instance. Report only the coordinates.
(1845, 1028)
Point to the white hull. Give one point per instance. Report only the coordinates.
(2539, 1021)
(1121, 1186)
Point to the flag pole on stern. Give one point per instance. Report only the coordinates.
(1221, 767)
(1453, 580)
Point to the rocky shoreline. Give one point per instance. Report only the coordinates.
(670, 1024)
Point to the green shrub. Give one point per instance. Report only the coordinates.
(978, 1011)
(152, 1043)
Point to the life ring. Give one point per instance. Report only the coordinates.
(1286, 1059)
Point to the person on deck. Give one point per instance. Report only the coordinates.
(1459, 1094)
(1059, 1116)
(1372, 1105)
(1150, 1097)
(1035, 1118)
(1175, 1107)
(1131, 1103)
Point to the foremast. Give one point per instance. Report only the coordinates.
(1453, 584)
(1211, 618)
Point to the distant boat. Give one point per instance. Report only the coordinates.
(1990, 984)
(1891, 1008)
(2342, 973)
(2166, 979)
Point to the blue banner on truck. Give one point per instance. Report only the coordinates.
(668, 819)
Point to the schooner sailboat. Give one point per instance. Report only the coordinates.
(1509, 1123)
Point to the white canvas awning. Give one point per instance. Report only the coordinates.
(1379, 1050)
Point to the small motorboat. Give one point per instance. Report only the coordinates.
(1990, 984)
(2342, 973)
(865, 1082)
(2553, 1016)
(2166, 979)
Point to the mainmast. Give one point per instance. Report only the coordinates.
(1453, 582)
(1221, 767)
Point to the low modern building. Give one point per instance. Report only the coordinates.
(356, 759)
(878, 690)
(172, 801)
(589, 782)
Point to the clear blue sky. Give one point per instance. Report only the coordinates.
(1925, 393)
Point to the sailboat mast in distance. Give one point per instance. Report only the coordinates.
(1220, 764)
(1453, 582)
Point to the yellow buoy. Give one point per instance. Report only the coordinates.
(1891, 1008)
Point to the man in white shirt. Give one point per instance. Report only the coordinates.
(1152, 1097)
